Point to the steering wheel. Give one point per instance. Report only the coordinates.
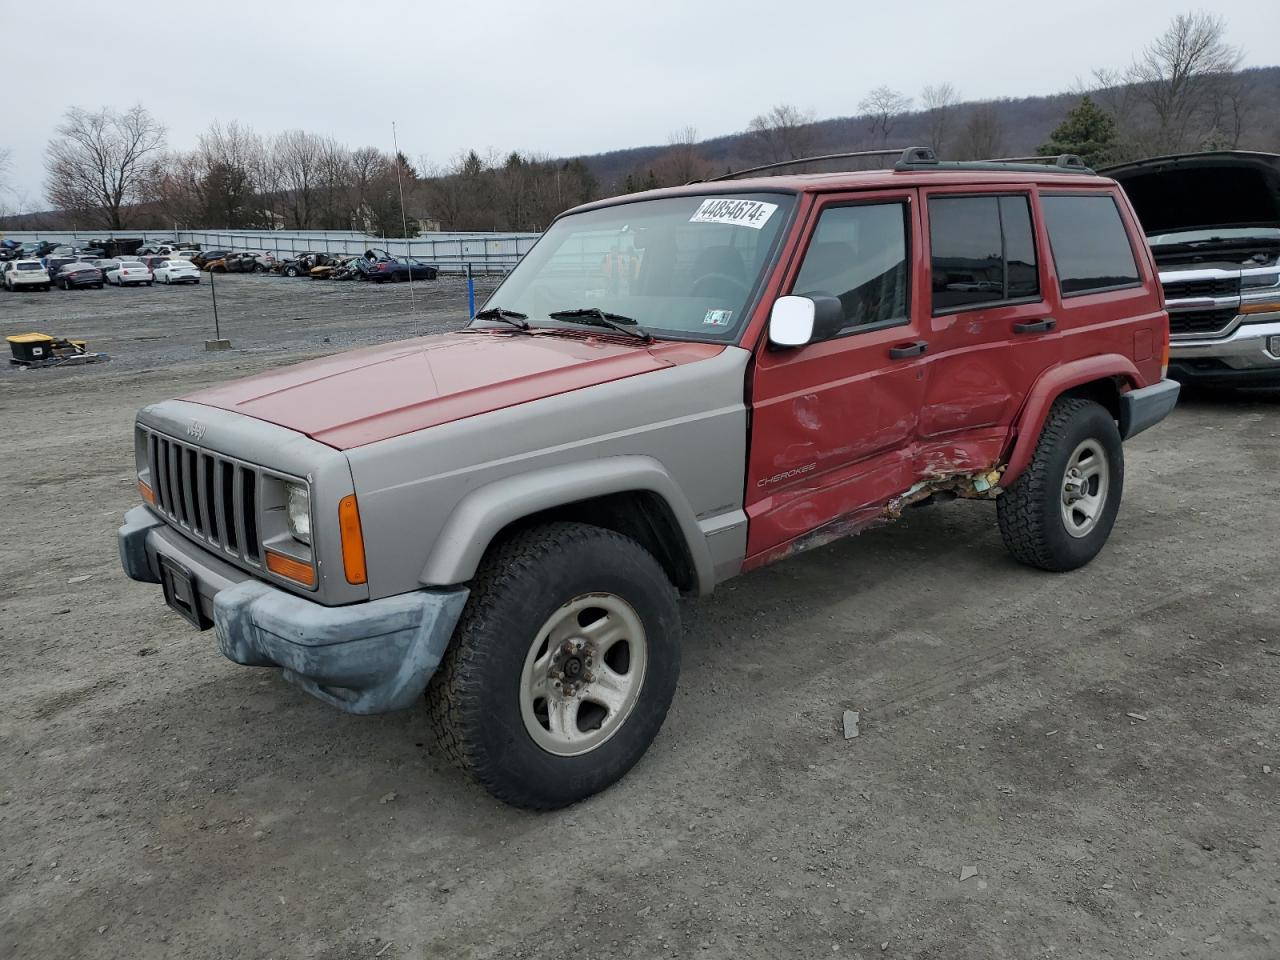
(719, 279)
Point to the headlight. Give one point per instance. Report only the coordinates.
(298, 511)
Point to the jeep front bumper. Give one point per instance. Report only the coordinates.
(367, 657)
(1248, 357)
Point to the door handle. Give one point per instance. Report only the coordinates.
(1036, 326)
(908, 350)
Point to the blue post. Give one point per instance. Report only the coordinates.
(471, 294)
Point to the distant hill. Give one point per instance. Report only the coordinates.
(1024, 124)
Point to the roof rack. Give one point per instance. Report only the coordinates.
(923, 158)
(797, 161)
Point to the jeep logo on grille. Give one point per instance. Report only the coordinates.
(195, 430)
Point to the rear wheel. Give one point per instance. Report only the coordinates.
(1059, 513)
(562, 667)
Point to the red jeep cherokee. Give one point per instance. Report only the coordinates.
(670, 389)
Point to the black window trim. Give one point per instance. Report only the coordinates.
(904, 201)
(1124, 227)
(1035, 239)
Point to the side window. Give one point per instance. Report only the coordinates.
(983, 252)
(1090, 246)
(858, 254)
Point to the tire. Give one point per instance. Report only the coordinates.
(291, 272)
(479, 703)
(1059, 513)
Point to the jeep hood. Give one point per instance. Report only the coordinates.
(1198, 191)
(351, 399)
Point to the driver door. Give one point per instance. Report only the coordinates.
(833, 422)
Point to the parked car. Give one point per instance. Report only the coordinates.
(28, 274)
(104, 264)
(152, 261)
(128, 273)
(330, 268)
(177, 270)
(1213, 223)
(400, 269)
(505, 515)
(246, 261)
(77, 274)
(184, 254)
(204, 256)
(300, 265)
(154, 247)
(53, 263)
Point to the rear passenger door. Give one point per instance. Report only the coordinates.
(991, 329)
(833, 422)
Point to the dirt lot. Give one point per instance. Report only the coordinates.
(1095, 745)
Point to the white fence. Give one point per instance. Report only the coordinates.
(451, 252)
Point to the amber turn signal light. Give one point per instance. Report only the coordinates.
(1266, 306)
(352, 540)
(291, 569)
(148, 494)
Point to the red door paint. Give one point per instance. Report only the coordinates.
(834, 423)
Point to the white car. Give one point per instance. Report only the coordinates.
(181, 254)
(177, 270)
(128, 272)
(25, 274)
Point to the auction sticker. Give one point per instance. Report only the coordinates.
(717, 318)
(738, 213)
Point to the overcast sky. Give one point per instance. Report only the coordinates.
(552, 77)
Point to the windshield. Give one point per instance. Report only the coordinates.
(682, 267)
(1226, 233)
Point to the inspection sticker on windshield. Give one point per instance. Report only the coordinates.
(717, 318)
(739, 213)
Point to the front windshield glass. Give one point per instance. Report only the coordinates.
(681, 267)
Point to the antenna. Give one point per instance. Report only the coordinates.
(404, 220)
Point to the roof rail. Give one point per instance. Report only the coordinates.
(899, 152)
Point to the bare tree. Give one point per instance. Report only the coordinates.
(683, 161)
(983, 135)
(98, 162)
(784, 133)
(939, 100)
(297, 160)
(884, 106)
(1179, 76)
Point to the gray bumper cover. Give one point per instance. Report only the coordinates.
(1143, 408)
(363, 658)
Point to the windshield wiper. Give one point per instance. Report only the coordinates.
(517, 320)
(595, 317)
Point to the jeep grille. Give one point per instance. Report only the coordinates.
(210, 496)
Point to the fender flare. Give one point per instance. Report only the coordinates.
(1051, 385)
(484, 512)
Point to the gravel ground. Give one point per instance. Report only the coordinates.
(1094, 745)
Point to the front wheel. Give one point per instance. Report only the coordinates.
(1059, 513)
(562, 667)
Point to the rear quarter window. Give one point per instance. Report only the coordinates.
(1090, 245)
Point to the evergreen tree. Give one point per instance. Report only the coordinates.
(1087, 130)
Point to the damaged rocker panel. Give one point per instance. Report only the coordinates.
(978, 485)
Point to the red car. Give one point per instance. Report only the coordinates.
(670, 389)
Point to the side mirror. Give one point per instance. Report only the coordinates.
(796, 321)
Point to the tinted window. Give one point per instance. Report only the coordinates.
(1022, 271)
(983, 251)
(859, 254)
(1090, 247)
